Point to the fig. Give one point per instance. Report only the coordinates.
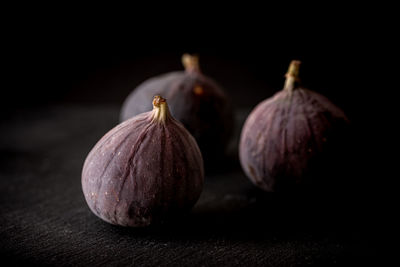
(144, 171)
(195, 100)
(294, 139)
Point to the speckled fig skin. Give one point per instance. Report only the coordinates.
(144, 170)
(290, 137)
(195, 100)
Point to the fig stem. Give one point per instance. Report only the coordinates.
(292, 75)
(191, 63)
(160, 109)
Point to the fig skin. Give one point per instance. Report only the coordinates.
(195, 100)
(144, 170)
(294, 139)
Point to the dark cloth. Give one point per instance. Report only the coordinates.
(44, 218)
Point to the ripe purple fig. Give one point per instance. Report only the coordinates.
(288, 139)
(143, 170)
(195, 100)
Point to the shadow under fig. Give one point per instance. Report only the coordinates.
(261, 216)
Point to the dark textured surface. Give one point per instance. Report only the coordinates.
(44, 218)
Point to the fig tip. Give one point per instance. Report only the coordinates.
(158, 100)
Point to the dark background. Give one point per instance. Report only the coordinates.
(64, 63)
(65, 80)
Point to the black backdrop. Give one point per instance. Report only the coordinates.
(56, 61)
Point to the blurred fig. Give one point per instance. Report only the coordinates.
(195, 100)
(294, 139)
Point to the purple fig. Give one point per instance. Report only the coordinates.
(144, 170)
(195, 100)
(285, 137)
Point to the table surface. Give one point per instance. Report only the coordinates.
(44, 218)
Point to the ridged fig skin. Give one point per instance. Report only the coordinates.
(143, 171)
(195, 100)
(290, 137)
